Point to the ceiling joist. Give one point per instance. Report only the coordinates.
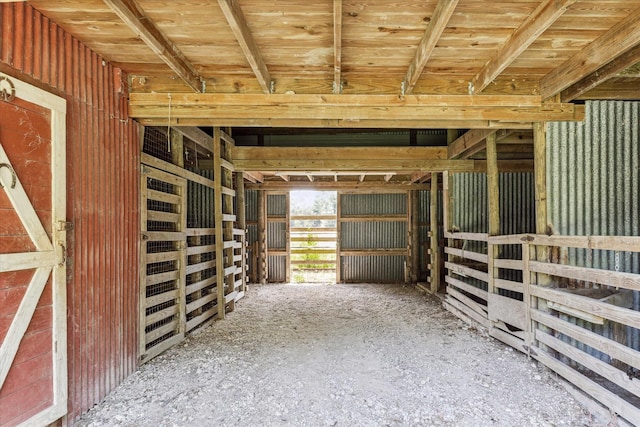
(337, 46)
(606, 48)
(331, 110)
(603, 74)
(232, 12)
(535, 24)
(135, 18)
(439, 19)
(469, 143)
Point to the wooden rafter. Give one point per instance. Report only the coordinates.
(337, 46)
(470, 143)
(350, 110)
(132, 14)
(439, 19)
(603, 74)
(541, 18)
(606, 48)
(238, 24)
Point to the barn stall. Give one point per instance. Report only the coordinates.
(493, 160)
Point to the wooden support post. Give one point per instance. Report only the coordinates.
(218, 223)
(414, 224)
(493, 204)
(262, 237)
(241, 219)
(177, 148)
(434, 238)
(338, 229)
(287, 232)
(541, 252)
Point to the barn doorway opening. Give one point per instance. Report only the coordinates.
(313, 236)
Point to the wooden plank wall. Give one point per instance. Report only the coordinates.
(102, 198)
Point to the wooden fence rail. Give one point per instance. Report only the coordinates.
(579, 320)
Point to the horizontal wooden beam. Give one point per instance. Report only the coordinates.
(353, 186)
(135, 18)
(295, 110)
(619, 39)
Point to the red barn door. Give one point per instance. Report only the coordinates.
(33, 372)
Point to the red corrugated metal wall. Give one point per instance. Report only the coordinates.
(102, 198)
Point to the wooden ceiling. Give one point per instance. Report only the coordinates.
(410, 64)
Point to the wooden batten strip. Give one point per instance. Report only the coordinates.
(470, 289)
(605, 277)
(475, 256)
(466, 271)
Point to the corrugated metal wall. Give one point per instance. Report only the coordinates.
(102, 200)
(593, 188)
(276, 236)
(372, 235)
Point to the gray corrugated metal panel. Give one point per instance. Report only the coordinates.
(277, 268)
(593, 178)
(424, 206)
(593, 188)
(470, 202)
(373, 235)
(251, 204)
(373, 204)
(276, 235)
(375, 269)
(517, 203)
(276, 205)
(252, 233)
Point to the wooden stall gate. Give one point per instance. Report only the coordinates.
(578, 321)
(33, 353)
(187, 269)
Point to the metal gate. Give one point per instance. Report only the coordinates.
(33, 350)
(163, 260)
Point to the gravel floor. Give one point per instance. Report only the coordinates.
(339, 355)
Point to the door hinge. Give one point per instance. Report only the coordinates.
(65, 225)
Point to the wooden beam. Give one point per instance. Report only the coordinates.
(228, 109)
(603, 74)
(346, 159)
(469, 143)
(434, 238)
(337, 46)
(232, 12)
(132, 14)
(344, 186)
(254, 176)
(615, 42)
(536, 23)
(441, 15)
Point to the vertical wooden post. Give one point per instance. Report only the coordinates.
(262, 237)
(287, 232)
(434, 237)
(493, 204)
(415, 235)
(177, 148)
(218, 223)
(241, 219)
(338, 227)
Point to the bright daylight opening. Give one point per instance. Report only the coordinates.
(313, 236)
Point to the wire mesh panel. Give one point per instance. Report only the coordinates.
(162, 258)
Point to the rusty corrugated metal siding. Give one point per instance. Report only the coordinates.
(102, 198)
(593, 188)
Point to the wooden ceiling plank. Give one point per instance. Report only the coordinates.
(619, 39)
(443, 11)
(603, 74)
(232, 12)
(337, 46)
(538, 22)
(469, 143)
(135, 18)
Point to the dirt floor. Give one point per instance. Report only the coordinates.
(339, 355)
